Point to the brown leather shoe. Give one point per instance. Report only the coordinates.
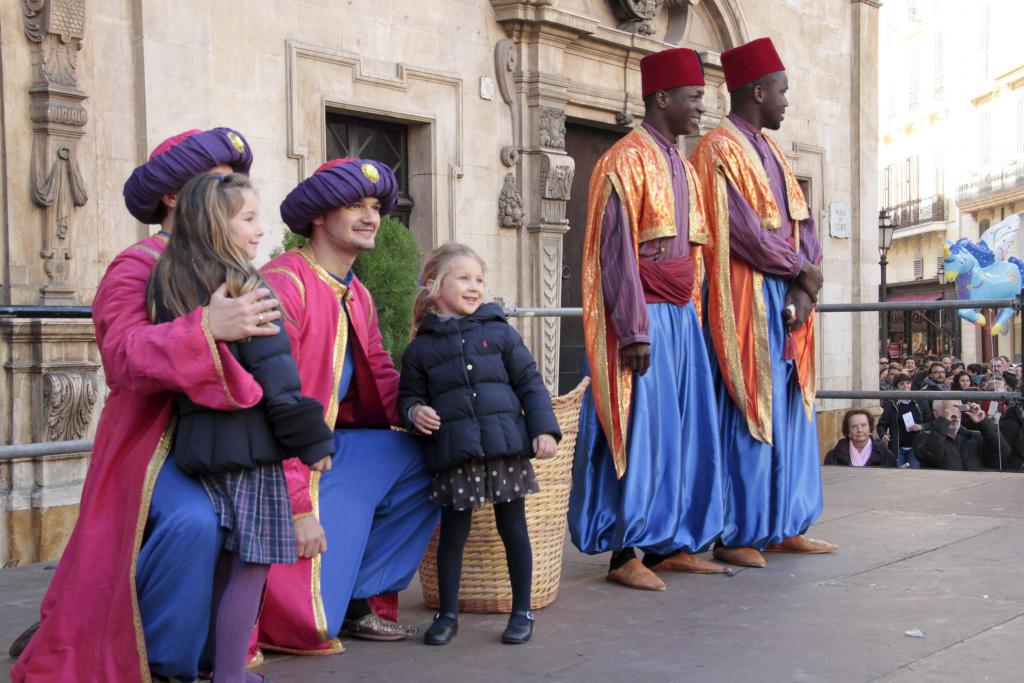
(372, 627)
(802, 544)
(687, 562)
(741, 557)
(21, 642)
(634, 574)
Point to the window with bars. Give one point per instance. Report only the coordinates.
(940, 267)
(919, 268)
(383, 141)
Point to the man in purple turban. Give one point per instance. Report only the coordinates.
(131, 596)
(370, 511)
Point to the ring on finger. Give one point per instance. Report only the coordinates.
(260, 318)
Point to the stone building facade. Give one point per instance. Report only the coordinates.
(494, 111)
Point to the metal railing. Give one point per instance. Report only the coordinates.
(49, 448)
(991, 184)
(869, 307)
(45, 312)
(919, 211)
(56, 448)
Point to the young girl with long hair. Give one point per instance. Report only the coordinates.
(469, 382)
(237, 456)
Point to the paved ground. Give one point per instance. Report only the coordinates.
(936, 551)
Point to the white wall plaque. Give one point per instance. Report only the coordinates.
(839, 220)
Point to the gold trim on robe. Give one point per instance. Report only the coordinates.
(648, 200)
(156, 462)
(337, 366)
(738, 316)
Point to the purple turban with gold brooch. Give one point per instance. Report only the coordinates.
(338, 183)
(177, 160)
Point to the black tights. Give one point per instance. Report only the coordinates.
(511, 521)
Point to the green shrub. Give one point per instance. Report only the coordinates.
(390, 272)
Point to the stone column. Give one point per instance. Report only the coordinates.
(56, 30)
(530, 76)
(865, 274)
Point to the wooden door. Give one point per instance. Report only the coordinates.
(585, 145)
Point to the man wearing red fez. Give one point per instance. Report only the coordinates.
(763, 279)
(131, 596)
(647, 467)
(363, 526)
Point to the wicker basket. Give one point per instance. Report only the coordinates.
(485, 584)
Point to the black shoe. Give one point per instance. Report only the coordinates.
(517, 635)
(441, 634)
(21, 642)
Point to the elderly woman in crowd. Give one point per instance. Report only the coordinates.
(858, 448)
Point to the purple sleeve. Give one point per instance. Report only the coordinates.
(810, 247)
(765, 250)
(620, 277)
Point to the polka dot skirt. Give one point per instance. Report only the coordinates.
(488, 481)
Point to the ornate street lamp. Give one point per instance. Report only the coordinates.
(885, 231)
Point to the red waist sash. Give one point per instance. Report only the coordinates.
(668, 281)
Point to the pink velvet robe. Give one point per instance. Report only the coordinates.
(90, 625)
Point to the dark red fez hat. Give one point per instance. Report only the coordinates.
(749, 62)
(339, 182)
(669, 69)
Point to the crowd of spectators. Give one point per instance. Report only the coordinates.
(937, 434)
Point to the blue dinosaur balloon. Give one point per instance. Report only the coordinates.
(980, 275)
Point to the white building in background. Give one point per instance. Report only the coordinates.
(951, 153)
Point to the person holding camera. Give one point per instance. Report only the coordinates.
(949, 445)
(902, 420)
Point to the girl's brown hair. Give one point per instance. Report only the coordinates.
(201, 253)
(438, 265)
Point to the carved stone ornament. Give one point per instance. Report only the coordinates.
(556, 172)
(510, 204)
(637, 15)
(510, 155)
(551, 287)
(68, 401)
(57, 28)
(551, 127)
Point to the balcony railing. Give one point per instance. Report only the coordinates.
(992, 184)
(919, 211)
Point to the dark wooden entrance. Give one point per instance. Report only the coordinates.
(585, 144)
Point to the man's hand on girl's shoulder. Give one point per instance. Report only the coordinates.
(250, 315)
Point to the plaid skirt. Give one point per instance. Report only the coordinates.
(254, 508)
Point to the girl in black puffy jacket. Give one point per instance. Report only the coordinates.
(237, 455)
(469, 381)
